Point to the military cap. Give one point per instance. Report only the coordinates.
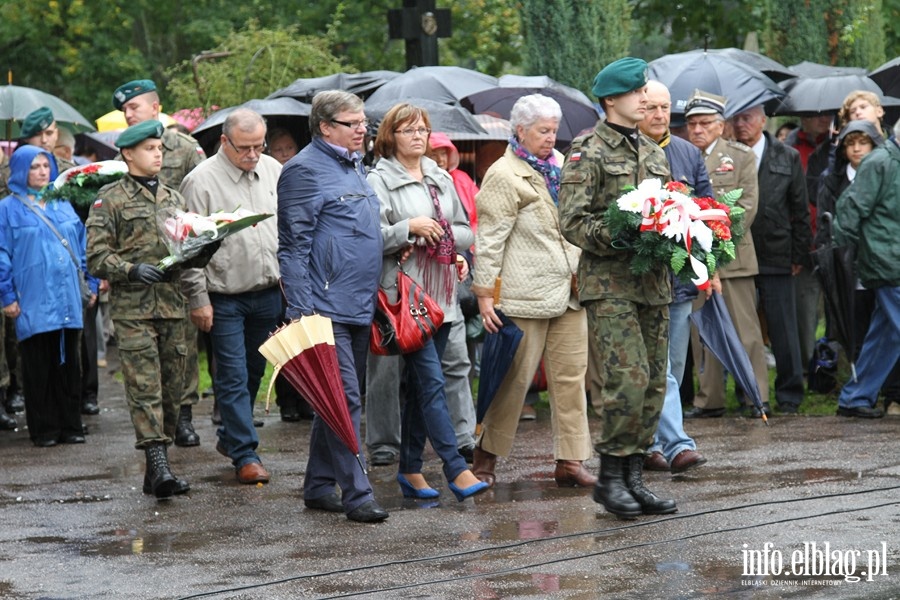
(136, 134)
(36, 121)
(705, 103)
(127, 91)
(620, 77)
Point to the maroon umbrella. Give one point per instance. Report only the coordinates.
(304, 352)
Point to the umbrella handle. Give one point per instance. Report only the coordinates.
(359, 460)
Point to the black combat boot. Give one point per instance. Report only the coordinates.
(611, 490)
(651, 504)
(184, 429)
(181, 486)
(162, 483)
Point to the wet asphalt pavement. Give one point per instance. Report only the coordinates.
(818, 496)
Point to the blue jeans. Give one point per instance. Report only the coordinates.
(241, 323)
(670, 438)
(425, 411)
(880, 351)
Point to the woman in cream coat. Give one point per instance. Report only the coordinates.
(519, 244)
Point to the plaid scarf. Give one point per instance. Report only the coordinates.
(548, 168)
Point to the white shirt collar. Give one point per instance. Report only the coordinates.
(758, 148)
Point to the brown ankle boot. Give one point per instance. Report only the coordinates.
(571, 473)
(483, 463)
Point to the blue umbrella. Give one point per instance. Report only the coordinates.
(717, 333)
(496, 357)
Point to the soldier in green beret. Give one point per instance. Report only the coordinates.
(148, 308)
(139, 101)
(40, 129)
(628, 315)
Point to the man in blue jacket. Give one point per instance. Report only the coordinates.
(867, 217)
(329, 254)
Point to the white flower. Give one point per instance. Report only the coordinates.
(702, 234)
(634, 200)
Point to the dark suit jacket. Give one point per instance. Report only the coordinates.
(781, 231)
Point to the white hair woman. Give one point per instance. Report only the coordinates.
(519, 245)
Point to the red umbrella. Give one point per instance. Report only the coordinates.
(304, 352)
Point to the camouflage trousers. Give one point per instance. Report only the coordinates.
(629, 345)
(152, 353)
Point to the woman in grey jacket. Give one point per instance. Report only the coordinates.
(424, 227)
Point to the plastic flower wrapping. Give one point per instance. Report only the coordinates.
(79, 185)
(664, 223)
(185, 233)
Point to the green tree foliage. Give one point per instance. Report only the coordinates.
(486, 36)
(682, 25)
(259, 61)
(890, 16)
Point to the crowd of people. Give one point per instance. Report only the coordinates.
(530, 247)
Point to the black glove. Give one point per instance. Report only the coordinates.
(147, 274)
(208, 250)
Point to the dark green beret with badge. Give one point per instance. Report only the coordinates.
(621, 77)
(136, 134)
(36, 121)
(129, 90)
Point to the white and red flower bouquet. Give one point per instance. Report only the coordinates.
(663, 224)
(185, 233)
(79, 185)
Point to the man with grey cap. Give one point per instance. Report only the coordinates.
(628, 316)
(139, 101)
(731, 166)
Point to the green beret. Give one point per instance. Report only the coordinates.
(620, 77)
(36, 121)
(127, 91)
(136, 134)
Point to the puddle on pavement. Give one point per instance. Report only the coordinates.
(124, 542)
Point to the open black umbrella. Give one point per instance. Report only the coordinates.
(441, 84)
(685, 72)
(449, 119)
(578, 112)
(288, 113)
(775, 70)
(812, 96)
(361, 84)
(717, 333)
(887, 76)
(811, 69)
(497, 356)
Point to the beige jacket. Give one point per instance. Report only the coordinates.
(518, 240)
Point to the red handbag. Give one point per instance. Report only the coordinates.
(406, 326)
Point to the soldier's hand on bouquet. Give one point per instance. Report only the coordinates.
(146, 274)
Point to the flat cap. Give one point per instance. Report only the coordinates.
(36, 121)
(127, 91)
(705, 103)
(136, 134)
(620, 77)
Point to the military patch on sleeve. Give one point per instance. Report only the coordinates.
(98, 202)
(576, 156)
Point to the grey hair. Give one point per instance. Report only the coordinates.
(897, 129)
(327, 104)
(530, 109)
(66, 138)
(242, 119)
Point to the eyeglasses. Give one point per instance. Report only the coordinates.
(409, 131)
(705, 124)
(247, 149)
(352, 124)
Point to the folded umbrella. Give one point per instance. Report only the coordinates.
(304, 352)
(717, 333)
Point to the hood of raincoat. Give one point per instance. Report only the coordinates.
(20, 164)
(440, 140)
(862, 126)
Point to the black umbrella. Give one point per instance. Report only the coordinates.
(717, 333)
(775, 70)
(497, 356)
(887, 76)
(452, 120)
(578, 111)
(811, 69)
(361, 84)
(441, 84)
(811, 96)
(288, 113)
(716, 73)
(834, 266)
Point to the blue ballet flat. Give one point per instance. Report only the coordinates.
(462, 494)
(410, 492)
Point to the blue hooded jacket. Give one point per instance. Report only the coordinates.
(36, 270)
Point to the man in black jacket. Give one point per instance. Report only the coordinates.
(782, 236)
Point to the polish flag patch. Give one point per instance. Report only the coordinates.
(575, 157)
(98, 202)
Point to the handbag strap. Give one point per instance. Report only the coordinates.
(46, 221)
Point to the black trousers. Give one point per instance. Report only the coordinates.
(52, 388)
(90, 380)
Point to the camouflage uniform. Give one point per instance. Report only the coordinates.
(628, 316)
(150, 320)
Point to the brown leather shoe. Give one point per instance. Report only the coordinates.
(687, 459)
(655, 461)
(571, 473)
(483, 464)
(253, 472)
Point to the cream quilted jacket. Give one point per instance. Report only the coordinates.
(518, 240)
